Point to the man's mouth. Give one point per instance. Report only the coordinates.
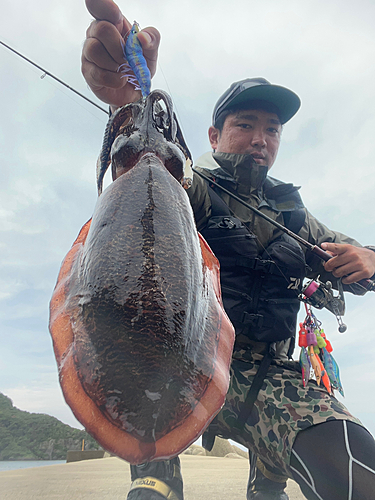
(258, 158)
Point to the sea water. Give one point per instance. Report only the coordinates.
(25, 464)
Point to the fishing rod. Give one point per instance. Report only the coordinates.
(45, 72)
(369, 285)
(325, 256)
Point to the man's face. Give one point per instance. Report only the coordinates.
(249, 131)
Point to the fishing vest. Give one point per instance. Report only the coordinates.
(259, 289)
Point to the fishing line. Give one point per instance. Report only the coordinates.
(170, 93)
(367, 284)
(178, 115)
(47, 73)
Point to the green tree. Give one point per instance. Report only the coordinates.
(35, 436)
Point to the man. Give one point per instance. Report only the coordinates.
(284, 418)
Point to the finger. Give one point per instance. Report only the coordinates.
(98, 78)
(107, 10)
(149, 38)
(109, 36)
(96, 53)
(340, 265)
(330, 253)
(331, 264)
(353, 278)
(336, 248)
(345, 270)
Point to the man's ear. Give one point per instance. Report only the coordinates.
(213, 135)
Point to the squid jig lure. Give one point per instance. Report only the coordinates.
(315, 356)
(135, 69)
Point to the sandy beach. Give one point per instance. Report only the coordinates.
(205, 478)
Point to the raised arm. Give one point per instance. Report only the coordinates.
(102, 53)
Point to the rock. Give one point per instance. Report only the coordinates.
(195, 449)
(199, 451)
(222, 447)
(241, 453)
(234, 455)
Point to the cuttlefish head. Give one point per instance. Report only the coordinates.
(140, 128)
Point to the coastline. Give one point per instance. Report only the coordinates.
(8, 465)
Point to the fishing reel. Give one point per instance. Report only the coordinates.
(320, 295)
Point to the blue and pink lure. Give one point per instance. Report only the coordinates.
(305, 366)
(333, 371)
(135, 69)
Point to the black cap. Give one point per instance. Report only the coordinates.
(258, 89)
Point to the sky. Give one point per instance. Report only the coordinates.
(50, 139)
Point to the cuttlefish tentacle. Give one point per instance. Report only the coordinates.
(156, 112)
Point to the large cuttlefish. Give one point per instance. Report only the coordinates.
(142, 342)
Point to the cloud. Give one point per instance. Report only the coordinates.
(50, 139)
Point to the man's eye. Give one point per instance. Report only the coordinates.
(273, 130)
(244, 125)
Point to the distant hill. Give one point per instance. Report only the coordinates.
(35, 436)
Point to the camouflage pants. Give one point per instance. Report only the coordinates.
(283, 408)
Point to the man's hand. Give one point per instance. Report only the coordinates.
(355, 263)
(102, 53)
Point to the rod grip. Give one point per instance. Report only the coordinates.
(321, 253)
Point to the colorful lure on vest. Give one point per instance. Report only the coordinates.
(135, 69)
(315, 356)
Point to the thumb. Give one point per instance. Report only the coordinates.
(150, 40)
(107, 10)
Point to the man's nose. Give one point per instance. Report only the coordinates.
(259, 139)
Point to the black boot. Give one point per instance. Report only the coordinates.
(262, 488)
(156, 481)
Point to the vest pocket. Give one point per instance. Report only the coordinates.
(261, 296)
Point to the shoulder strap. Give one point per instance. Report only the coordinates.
(294, 219)
(218, 205)
(252, 395)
